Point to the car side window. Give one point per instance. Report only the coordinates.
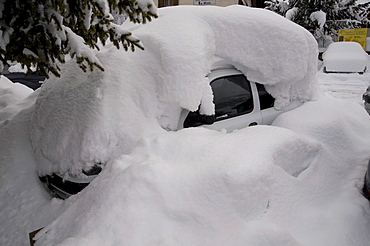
(266, 100)
(232, 96)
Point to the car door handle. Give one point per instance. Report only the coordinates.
(253, 124)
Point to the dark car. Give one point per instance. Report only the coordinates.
(32, 80)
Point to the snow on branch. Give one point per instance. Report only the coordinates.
(51, 29)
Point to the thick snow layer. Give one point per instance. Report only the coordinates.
(268, 48)
(200, 196)
(11, 94)
(345, 57)
(320, 17)
(79, 104)
(295, 183)
(141, 91)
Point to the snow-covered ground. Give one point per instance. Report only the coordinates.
(297, 182)
(348, 87)
(225, 191)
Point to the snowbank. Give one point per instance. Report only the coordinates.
(268, 48)
(11, 94)
(199, 196)
(202, 187)
(93, 118)
(295, 183)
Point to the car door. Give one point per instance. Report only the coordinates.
(236, 103)
(266, 101)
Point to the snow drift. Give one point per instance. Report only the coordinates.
(199, 196)
(140, 91)
(201, 187)
(294, 183)
(10, 96)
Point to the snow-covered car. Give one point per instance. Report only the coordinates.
(345, 57)
(239, 103)
(223, 68)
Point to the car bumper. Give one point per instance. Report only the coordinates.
(62, 188)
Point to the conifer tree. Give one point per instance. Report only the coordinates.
(322, 18)
(364, 14)
(40, 33)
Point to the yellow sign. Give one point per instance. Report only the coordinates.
(353, 35)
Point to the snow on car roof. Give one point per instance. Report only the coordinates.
(269, 49)
(95, 116)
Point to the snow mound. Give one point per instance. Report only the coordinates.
(92, 118)
(194, 192)
(11, 94)
(18, 68)
(266, 47)
(335, 122)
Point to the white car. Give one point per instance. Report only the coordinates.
(239, 103)
(210, 69)
(345, 57)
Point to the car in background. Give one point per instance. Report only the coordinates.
(239, 103)
(345, 57)
(17, 74)
(33, 80)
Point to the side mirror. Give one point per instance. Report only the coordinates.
(208, 119)
(196, 119)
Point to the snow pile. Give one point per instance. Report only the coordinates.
(295, 183)
(100, 115)
(199, 196)
(267, 48)
(202, 187)
(11, 94)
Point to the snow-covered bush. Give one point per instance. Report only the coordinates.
(40, 33)
(322, 18)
